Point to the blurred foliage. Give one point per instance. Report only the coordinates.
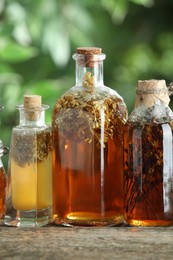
(38, 38)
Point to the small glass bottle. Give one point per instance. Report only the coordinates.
(2, 185)
(29, 187)
(87, 125)
(148, 157)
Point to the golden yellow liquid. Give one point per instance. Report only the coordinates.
(32, 185)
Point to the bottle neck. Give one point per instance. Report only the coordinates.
(151, 92)
(32, 117)
(152, 103)
(89, 70)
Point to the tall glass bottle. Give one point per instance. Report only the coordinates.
(148, 157)
(29, 187)
(87, 125)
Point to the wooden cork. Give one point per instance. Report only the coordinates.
(32, 103)
(89, 55)
(89, 50)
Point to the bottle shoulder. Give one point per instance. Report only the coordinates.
(159, 113)
(82, 113)
(103, 90)
(24, 128)
(101, 97)
(81, 95)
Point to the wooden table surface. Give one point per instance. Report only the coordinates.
(52, 242)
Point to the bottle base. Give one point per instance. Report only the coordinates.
(1, 221)
(80, 219)
(30, 218)
(150, 223)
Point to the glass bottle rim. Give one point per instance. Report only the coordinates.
(1, 148)
(91, 57)
(42, 108)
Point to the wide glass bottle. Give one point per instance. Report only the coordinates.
(87, 125)
(148, 157)
(29, 187)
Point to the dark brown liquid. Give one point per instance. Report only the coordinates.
(88, 181)
(2, 192)
(148, 160)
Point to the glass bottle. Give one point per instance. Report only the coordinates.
(29, 187)
(148, 157)
(2, 181)
(87, 125)
(2, 184)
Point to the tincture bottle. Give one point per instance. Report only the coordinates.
(29, 187)
(148, 157)
(3, 151)
(87, 125)
(2, 184)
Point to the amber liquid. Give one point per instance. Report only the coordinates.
(88, 181)
(2, 192)
(148, 160)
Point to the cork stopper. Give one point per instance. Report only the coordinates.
(32, 103)
(88, 56)
(151, 91)
(89, 50)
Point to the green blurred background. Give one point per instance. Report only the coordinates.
(38, 38)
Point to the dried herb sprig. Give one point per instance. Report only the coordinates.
(81, 115)
(143, 167)
(88, 80)
(27, 147)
